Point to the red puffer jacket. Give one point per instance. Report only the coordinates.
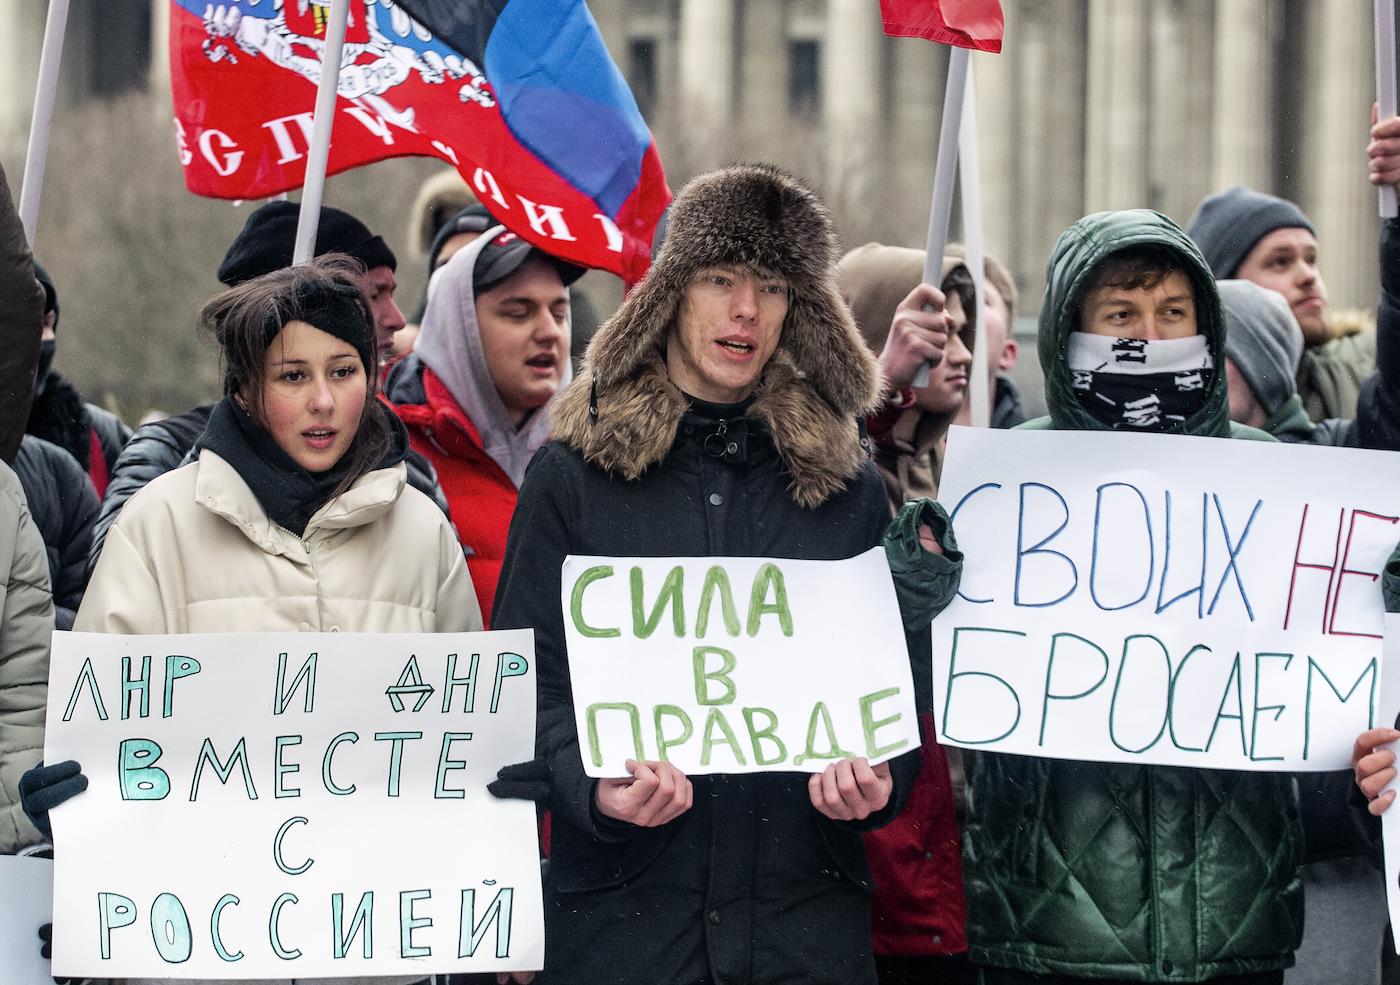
(479, 493)
(918, 907)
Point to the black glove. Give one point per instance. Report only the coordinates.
(45, 787)
(522, 781)
(46, 935)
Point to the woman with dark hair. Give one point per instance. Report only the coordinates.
(295, 516)
(298, 489)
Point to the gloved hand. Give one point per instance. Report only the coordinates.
(522, 781)
(46, 935)
(43, 788)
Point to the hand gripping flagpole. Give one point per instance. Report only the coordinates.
(971, 196)
(941, 211)
(314, 185)
(38, 151)
(1385, 90)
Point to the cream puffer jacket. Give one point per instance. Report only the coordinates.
(193, 552)
(26, 625)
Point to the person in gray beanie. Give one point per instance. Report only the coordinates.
(1269, 241)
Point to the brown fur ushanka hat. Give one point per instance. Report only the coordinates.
(622, 410)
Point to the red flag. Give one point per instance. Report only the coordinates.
(965, 23)
(538, 120)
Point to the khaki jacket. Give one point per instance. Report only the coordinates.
(193, 552)
(26, 624)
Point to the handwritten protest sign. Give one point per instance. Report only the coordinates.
(26, 904)
(293, 805)
(1164, 599)
(736, 665)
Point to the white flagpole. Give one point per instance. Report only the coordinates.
(1385, 90)
(314, 185)
(971, 194)
(941, 211)
(38, 152)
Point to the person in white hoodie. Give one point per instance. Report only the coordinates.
(299, 491)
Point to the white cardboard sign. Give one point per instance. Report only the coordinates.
(293, 805)
(26, 904)
(1162, 599)
(736, 665)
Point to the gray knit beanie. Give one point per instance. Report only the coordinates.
(1263, 340)
(1227, 225)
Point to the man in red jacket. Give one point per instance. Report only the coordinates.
(492, 353)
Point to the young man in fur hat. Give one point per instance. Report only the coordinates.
(716, 414)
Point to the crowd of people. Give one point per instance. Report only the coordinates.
(753, 396)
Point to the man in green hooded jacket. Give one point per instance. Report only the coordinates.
(1079, 871)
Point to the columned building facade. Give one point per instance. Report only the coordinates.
(1094, 104)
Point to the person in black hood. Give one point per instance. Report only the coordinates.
(93, 436)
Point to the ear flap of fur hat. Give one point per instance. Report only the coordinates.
(755, 217)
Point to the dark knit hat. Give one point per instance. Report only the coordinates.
(50, 292)
(1263, 340)
(1227, 225)
(269, 237)
(505, 254)
(472, 219)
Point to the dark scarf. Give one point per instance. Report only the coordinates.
(288, 493)
(1139, 385)
(60, 417)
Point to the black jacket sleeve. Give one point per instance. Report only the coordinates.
(153, 450)
(21, 324)
(64, 507)
(1378, 408)
(527, 597)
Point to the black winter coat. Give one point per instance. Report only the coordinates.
(751, 885)
(64, 507)
(1378, 408)
(164, 445)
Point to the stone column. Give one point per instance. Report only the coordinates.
(1241, 123)
(998, 141)
(1337, 197)
(1178, 136)
(707, 64)
(852, 111)
(763, 81)
(21, 42)
(916, 106)
(1119, 57)
(1051, 159)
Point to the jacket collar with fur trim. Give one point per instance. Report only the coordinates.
(622, 411)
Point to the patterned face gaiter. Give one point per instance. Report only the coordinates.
(1136, 384)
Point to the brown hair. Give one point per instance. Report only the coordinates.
(959, 282)
(1135, 268)
(245, 319)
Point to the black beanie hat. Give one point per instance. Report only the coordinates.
(1227, 225)
(269, 236)
(50, 292)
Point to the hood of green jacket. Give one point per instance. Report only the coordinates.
(1077, 255)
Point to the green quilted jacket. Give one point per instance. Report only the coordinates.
(1138, 873)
